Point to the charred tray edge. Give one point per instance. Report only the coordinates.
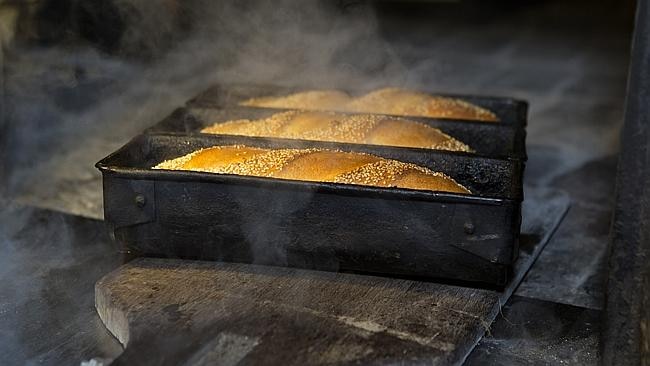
(183, 214)
(487, 139)
(509, 110)
(485, 177)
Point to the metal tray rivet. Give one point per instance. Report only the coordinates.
(469, 228)
(140, 200)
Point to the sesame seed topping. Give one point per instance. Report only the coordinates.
(385, 101)
(338, 127)
(267, 162)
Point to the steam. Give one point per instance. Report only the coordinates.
(69, 109)
(69, 106)
(48, 267)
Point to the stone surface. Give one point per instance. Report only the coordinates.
(572, 268)
(48, 267)
(535, 332)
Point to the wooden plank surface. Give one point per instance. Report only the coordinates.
(188, 312)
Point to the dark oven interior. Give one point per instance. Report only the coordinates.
(131, 83)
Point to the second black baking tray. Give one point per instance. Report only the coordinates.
(511, 112)
(487, 139)
(323, 226)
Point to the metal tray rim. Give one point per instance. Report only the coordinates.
(282, 140)
(190, 107)
(106, 167)
(514, 156)
(320, 187)
(520, 104)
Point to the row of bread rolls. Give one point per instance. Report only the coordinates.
(343, 128)
(314, 165)
(394, 101)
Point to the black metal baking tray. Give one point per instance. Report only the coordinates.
(512, 112)
(323, 226)
(487, 139)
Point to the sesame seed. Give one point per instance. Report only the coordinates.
(381, 173)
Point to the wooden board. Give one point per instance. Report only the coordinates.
(188, 312)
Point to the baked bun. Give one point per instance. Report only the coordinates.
(314, 165)
(338, 127)
(394, 101)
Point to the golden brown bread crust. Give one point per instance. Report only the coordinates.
(409, 103)
(394, 101)
(314, 165)
(337, 127)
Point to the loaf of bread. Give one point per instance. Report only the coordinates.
(314, 165)
(338, 127)
(383, 101)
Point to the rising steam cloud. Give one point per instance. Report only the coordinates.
(69, 108)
